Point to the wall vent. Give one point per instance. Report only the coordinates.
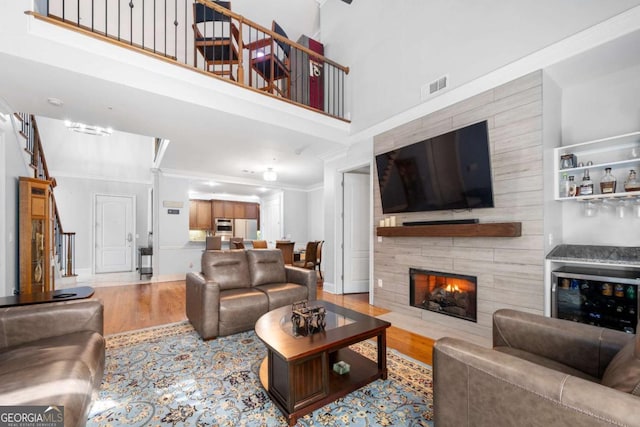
(433, 87)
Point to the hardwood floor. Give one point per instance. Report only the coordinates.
(132, 307)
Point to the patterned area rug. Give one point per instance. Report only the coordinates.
(168, 376)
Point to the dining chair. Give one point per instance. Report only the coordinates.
(319, 257)
(259, 244)
(269, 59)
(215, 39)
(310, 256)
(287, 250)
(213, 243)
(236, 243)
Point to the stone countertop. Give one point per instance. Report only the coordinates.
(622, 255)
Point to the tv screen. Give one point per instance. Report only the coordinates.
(450, 171)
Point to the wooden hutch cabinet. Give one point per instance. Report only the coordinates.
(36, 236)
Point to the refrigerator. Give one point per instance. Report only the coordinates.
(245, 228)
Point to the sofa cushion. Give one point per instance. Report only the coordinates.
(543, 361)
(85, 346)
(240, 310)
(281, 294)
(623, 373)
(227, 268)
(60, 383)
(266, 266)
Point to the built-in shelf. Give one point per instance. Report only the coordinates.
(490, 229)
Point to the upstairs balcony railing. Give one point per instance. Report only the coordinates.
(64, 242)
(207, 36)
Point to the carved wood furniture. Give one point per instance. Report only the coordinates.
(297, 372)
(36, 236)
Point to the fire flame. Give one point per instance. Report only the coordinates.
(452, 288)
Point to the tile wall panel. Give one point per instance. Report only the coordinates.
(509, 270)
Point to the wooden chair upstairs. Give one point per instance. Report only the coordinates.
(287, 250)
(259, 244)
(269, 59)
(216, 39)
(310, 256)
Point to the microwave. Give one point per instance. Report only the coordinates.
(223, 226)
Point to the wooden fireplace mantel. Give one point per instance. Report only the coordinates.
(490, 229)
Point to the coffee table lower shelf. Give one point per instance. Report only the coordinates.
(302, 386)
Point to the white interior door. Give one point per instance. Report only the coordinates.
(114, 233)
(356, 233)
(271, 219)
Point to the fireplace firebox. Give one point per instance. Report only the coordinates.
(446, 293)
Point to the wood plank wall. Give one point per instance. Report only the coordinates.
(509, 270)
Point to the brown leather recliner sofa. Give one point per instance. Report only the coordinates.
(52, 354)
(236, 287)
(541, 371)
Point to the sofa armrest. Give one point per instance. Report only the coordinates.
(27, 323)
(480, 386)
(584, 347)
(203, 304)
(303, 276)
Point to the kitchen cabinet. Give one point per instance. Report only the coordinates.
(251, 211)
(200, 215)
(234, 210)
(621, 153)
(217, 207)
(238, 210)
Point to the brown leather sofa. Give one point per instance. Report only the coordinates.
(236, 287)
(541, 371)
(52, 354)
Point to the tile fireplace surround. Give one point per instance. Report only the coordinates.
(509, 270)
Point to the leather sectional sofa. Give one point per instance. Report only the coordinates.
(541, 371)
(52, 354)
(236, 287)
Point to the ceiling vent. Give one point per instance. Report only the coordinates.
(435, 86)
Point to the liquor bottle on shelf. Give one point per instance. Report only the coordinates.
(586, 186)
(564, 186)
(608, 182)
(573, 187)
(632, 183)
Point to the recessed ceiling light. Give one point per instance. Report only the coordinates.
(55, 102)
(270, 175)
(87, 129)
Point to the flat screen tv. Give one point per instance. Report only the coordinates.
(450, 171)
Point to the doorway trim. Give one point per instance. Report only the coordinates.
(340, 230)
(93, 229)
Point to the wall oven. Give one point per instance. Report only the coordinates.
(224, 228)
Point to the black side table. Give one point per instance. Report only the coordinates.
(145, 271)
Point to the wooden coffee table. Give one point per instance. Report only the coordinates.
(298, 370)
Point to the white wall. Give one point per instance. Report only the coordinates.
(122, 156)
(357, 155)
(295, 217)
(315, 214)
(12, 165)
(76, 204)
(602, 107)
(175, 255)
(393, 51)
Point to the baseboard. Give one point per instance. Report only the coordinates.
(329, 287)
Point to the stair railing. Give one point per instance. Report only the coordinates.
(64, 242)
(165, 29)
